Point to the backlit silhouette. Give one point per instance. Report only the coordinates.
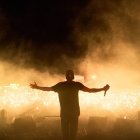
(69, 102)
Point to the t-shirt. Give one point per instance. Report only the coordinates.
(68, 97)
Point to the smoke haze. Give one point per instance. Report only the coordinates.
(100, 42)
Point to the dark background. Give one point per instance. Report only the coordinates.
(39, 31)
(47, 34)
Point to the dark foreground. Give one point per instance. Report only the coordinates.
(96, 128)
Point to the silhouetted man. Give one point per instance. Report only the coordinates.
(69, 102)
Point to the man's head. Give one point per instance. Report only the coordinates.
(69, 75)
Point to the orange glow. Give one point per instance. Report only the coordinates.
(24, 100)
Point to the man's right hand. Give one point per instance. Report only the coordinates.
(34, 85)
(106, 87)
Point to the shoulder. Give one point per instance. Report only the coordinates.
(79, 84)
(57, 86)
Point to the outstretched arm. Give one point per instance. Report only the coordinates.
(35, 86)
(86, 89)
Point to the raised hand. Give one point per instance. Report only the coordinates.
(106, 88)
(34, 85)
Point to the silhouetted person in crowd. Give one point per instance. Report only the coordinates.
(3, 118)
(69, 102)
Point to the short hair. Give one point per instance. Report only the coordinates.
(70, 74)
